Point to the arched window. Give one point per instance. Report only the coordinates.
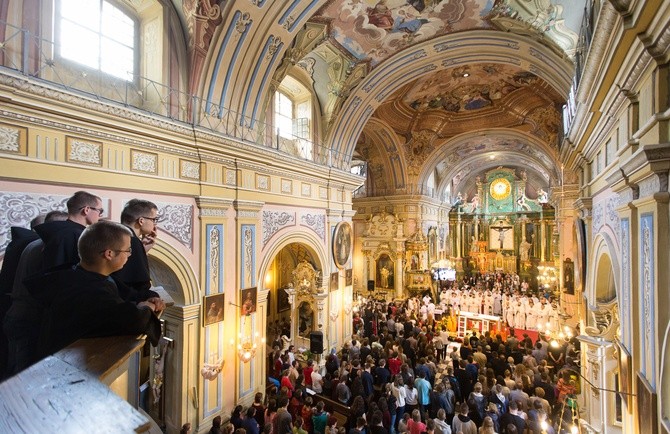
(97, 34)
(293, 118)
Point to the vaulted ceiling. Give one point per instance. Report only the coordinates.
(425, 91)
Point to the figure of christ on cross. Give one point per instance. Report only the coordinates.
(501, 234)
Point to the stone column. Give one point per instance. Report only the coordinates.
(543, 239)
(459, 236)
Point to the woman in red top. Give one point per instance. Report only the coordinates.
(307, 372)
(286, 382)
(394, 364)
(414, 425)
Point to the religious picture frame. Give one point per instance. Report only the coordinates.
(334, 281)
(625, 375)
(213, 309)
(342, 244)
(348, 277)
(646, 406)
(569, 276)
(249, 298)
(282, 300)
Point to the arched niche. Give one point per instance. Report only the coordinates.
(605, 289)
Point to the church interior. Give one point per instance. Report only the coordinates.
(307, 154)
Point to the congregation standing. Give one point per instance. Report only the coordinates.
(402, 373)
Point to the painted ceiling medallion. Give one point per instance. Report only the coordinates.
(500, 189)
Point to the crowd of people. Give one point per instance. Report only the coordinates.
(76, 275)
(405, 372)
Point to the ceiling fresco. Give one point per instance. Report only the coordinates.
(477, 97)
(376, 29)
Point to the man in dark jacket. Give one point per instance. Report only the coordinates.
(141, 217)
(84, 301)
(512, 418)
(60, 237)
(22, 321)
(21, 237)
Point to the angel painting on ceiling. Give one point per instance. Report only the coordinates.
(376, 29)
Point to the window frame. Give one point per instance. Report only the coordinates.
(98, 72)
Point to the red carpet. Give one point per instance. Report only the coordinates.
(532, 334)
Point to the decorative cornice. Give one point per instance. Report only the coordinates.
(95, 133)
(212, 206)
(584, 205)
(657, 157)
(247, 205)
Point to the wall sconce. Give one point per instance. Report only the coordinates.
(334, 315)
(347, 308)
(246, 344)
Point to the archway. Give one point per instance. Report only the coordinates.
(279, 274)
(170, 270)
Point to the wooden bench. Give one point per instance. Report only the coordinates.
(335, 408)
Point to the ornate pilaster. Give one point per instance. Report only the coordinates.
(321, 299)
(291, 291)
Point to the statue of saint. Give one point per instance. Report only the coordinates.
(524, 249)
(385, 277)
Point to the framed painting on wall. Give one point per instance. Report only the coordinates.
(342, 244)
(249, 299)
(213, 306)
(282, 300)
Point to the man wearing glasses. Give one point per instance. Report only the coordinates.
(60, 237)
(141, 217)
(85, 301)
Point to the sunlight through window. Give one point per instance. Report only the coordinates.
(98, 35)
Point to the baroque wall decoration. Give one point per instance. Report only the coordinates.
(83, 151)
(306, 189)
(189, 169)
(145, 162)
(214, 269)
(248, 256)
(286, 186)
(274, 221)
(231, 178)
(262, 182)
(17, 209)
(177, 220)
(625, 282)
(13, 139)
(323, 193)
(316, 222)
(647, 269)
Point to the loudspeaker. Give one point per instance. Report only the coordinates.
(316, 342)
(371, 285)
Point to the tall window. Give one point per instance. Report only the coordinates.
(284, 115)
(97, 34)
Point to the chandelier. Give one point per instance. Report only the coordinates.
(247, 344)
(547, 276)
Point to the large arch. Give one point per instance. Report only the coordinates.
(438, 54)
(602, 257)
(182, 284)
(314, 244)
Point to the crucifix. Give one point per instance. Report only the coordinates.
(501, 232)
